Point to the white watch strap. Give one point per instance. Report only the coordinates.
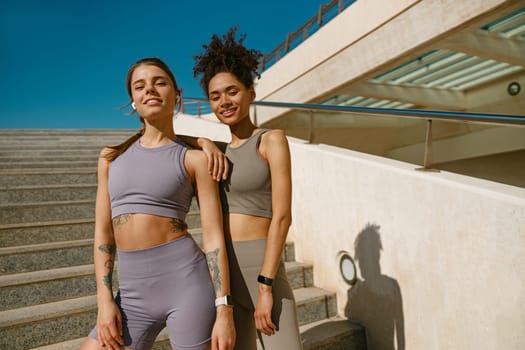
(224, 300)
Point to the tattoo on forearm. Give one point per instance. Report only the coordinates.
(178, 225)
(213, 265)
(108, 279)
(121, 219)
(108, 248)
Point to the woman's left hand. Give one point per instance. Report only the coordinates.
(218, 166)
(263, 311)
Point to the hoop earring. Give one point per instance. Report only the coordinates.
(133, 105)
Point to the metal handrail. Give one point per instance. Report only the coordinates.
(428, 115)
(407, 113)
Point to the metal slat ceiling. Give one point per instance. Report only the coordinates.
(445, 69)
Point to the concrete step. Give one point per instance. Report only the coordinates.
(44, 256)
(45, 286)
(45, 232)
(49, 164)
(58, 211)
(50, 323)
(60, 192)
(66, 139)
(35, 177)
(314, 304)
(92, 151)
(46, 211)
(333, 333)
(42, 193)
(300, 275)
(31, 157)
(330, 334)
(40, 287)
(34, 326)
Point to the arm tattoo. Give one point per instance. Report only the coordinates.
(108, 248)
(178, 225)
(108, 279)
(121, 219)
(213, 266)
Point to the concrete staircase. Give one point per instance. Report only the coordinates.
(47, 281)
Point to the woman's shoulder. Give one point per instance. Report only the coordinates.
(195, 157)
(273, 137)
(273, 142)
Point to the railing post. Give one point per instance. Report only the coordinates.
(311, 131)
(255, 116)
(427, 160)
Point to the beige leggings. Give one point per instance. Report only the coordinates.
(246, 258)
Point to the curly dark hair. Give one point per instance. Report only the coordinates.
(226, 54)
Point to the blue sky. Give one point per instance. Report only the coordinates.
(63, 63)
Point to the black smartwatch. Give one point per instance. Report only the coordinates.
(264, 280)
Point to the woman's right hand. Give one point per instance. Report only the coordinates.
(109, 326)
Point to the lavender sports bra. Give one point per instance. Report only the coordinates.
(150, 181)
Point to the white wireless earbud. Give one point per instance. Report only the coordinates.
(178, 98)
(133, 105)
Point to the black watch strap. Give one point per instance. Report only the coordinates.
(264, 280)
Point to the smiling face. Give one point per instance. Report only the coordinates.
(152, 91)
(229, 98)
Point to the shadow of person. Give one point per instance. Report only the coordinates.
(375, 300)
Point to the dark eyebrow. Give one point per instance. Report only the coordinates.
(228, 88)
(155, 78)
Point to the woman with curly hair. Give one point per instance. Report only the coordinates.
(256, 198)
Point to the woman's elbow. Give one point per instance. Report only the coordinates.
(283, 220)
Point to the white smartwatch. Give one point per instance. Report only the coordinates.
(224, 300)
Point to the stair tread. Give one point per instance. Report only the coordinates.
(46, 203)
(58, 186)
(75, 305)
(303, 295)
(46, 223)
(51, 274)
(33, 171)
(326, 330)
(45, 246)
(9, 318)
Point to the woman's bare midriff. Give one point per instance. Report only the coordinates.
(243, 227)
(141, 231)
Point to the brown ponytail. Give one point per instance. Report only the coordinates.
(117, 150)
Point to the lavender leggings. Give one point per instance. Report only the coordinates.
(167, 285)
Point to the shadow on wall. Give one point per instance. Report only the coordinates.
(375, 300)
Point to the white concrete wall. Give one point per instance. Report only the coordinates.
(192, 125)
(359, 43)
(452, 262)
